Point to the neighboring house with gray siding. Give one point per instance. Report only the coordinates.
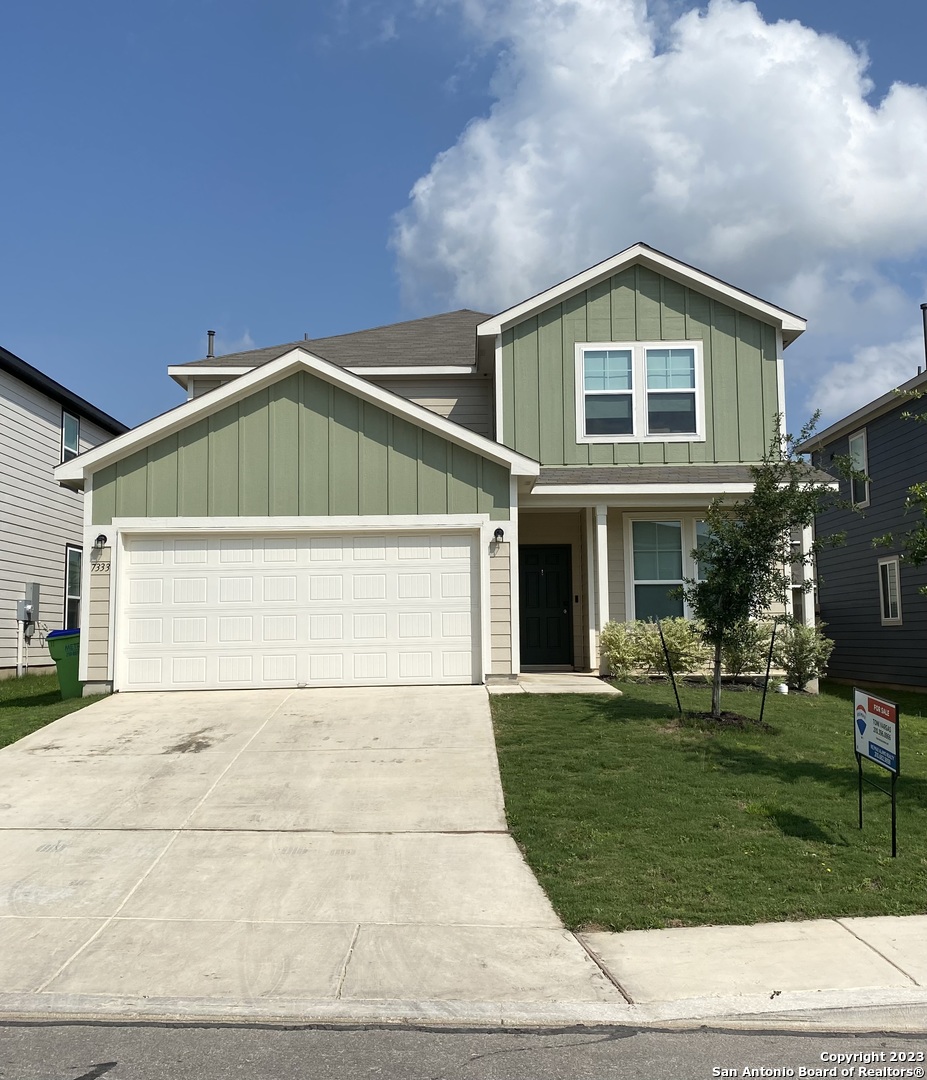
(869, 598)
(441, 500)
(41, 524)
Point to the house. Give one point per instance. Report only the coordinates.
(41, 524)
(869, 598)
(444, 500)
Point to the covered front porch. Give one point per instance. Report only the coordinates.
(614, 546)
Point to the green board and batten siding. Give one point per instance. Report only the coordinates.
(301, 447)
(538, 372)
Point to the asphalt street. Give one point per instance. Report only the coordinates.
(88, 1051)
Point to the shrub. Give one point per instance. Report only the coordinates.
(618, 646)
(747, 648)
(684, 644)
(635, 647)
(802, 652)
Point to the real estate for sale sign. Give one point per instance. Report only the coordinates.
(876, 729)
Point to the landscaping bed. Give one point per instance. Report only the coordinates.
(632, 819)
(31, 702)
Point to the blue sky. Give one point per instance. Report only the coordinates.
(198, 164)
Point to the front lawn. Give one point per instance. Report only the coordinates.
(631, 820)
(30, 703)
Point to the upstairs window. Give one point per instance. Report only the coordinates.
(639, 391)
(859, 485)
(609, 392)
(70, 436)
(671, 392)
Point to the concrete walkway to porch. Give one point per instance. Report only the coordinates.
(553, 682)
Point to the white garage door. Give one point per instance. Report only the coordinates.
(210, 612)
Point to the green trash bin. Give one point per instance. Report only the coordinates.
(64, 649)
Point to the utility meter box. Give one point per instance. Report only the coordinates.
(27, 610)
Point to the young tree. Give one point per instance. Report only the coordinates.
(745, 558)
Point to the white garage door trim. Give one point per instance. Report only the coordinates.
(388, 661)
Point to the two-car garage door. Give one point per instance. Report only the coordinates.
(199, 612)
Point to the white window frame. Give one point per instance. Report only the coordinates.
(891, 560)
(638, 350)
(689, 564)
(67, 453)
(865, 465)
(70, 596)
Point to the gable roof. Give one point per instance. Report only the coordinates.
(790, 324)
(72, 473)
(67, 399)
(855, 420)
(433, 342)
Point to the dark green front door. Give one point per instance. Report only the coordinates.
(544, 588)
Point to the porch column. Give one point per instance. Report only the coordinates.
(807, 573)
(591, 618)
(601, 566)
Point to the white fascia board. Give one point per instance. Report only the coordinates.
(629, 496)
(424, 369)
(182, 373)
(791, 325)
(266, 374)
(594, 490)
(218, 369)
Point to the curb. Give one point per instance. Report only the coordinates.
(835, 1010)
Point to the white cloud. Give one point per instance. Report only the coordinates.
(873, 371)
(752, 150)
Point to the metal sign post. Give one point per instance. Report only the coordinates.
(669, 666)
(876, 732)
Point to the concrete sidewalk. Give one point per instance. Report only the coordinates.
(831, 972)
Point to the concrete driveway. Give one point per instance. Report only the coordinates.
(330, 853)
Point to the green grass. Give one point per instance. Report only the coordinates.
(631, 820)
(30, 703)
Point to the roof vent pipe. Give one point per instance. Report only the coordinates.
(211, 342)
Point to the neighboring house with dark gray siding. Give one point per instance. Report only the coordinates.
(868, 597)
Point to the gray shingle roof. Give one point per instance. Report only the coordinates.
(434, 341)
(655, 474)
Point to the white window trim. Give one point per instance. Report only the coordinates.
(639, 391)
(860, 435)
(689, 566)
(885, 562)
(65, 415)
